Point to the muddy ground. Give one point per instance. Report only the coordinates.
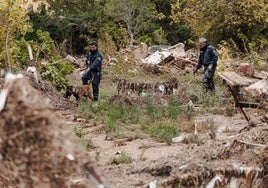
(234, 155)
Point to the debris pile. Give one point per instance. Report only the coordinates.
(29, 152)
(76, 62)
(175, 56)
(166, 87)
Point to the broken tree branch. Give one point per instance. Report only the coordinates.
(248, 143)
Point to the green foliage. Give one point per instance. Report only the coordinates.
(46, 46)
(121, 114)
(79, 132)
(162, 132)
(122, 158)
(123, 120)
(19, 53)
(136, 15)
(113, 36)
(13, 25)
(159, 36)
(68, 21)
(87, 143)
(240, 21)
(56, 72)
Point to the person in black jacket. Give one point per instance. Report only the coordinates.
(93, 70)
(208, 58)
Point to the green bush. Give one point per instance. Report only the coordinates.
(79, 132)
(56, 72)
(123, 158)
(162, 132)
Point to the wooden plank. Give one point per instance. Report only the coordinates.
(234, 79)
(247, 105)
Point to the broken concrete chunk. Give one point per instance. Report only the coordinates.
(157, 57)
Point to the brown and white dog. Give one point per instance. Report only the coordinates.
(78, 92)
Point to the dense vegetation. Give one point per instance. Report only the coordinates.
(61, 27)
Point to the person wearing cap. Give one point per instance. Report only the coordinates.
(208, 59)
(93, 69)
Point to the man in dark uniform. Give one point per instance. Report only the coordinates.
(208, 58)
(94, 63)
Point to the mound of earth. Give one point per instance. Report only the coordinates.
(48, 90)
(35, 149)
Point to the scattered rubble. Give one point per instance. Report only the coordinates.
(174, 56)
(76, 62)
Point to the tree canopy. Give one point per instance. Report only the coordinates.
(72, 24)
(240, 21)
(136, 15)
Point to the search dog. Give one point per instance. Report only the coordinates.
(78, 92)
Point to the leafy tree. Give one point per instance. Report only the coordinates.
(136, 15)
(240, 21)
(13, 25)
(114, 37)
(174, 32)
(56, 69)
(68, 22)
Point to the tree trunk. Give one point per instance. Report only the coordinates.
(130, 33)
(7, 49)
(131, 39)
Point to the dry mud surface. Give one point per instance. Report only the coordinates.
(188, 165)
(37, 141)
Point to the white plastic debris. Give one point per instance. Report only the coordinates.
(162, 88)
(10, 78)
(190, 103)
(156, 57)
(70, 58)
(144, 94)
(3, 97)
(8, 83)
(152, 184)
(33, 70)
(70, 157)
(178, 139)
(212, 183)
(81, 120)
(234, 182)
(195, 129)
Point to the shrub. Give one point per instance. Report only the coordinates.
(79, 132)
(163, 133)
(123, 158)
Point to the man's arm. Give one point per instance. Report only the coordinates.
(199, 65)
(86, 62)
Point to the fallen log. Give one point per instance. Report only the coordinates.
(187, 60)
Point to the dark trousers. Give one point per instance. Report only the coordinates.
(95, 82)
(207, 79)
